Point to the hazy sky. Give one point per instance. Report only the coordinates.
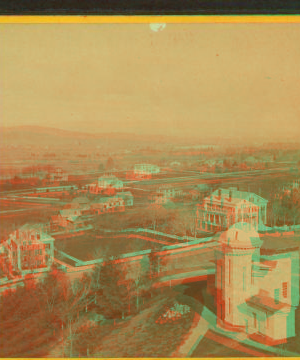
(191, 79)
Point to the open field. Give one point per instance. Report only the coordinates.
(90, 247)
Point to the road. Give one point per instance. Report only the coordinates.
(190, 179)
(205, 176)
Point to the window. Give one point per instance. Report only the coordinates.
(254, 320)
(276, 296)
(284, 289)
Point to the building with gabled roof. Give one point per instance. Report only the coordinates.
(127, 197)
(82, 200)
(146, 169)
(170, 192)
(143, 171)
(106, 183)
(107, 204)
(58, 175)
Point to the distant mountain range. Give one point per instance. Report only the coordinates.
(40, 135)
(46, 136)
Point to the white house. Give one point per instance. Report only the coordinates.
(106, 182)
(146, 169)
(249, 196)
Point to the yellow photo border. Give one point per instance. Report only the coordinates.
(142, 19)
(146, 19)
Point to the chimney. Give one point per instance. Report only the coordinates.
(230, 195)
(17, 234)
(220, 193)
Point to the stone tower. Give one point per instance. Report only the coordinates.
(238, 248)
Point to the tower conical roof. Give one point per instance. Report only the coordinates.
(241, 236)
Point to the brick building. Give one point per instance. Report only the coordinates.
(29, 249)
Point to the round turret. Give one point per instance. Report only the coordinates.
(240, 236)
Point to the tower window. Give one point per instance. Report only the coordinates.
(276, 296)
(284, 289)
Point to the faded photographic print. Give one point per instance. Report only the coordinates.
(150, 190)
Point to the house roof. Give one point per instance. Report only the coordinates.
(71, 206)
(194, 192)
(202, 186)
(145, 165)
(169, 205)
(166, 186)
(241, 195)
(64, 213)
(224, 199)
(240, 236)
(125, 194)
(55, 217)
(104, 200)
(108, 177)
(81, 200)
(30, 228)
(266, 304)
(72, 218)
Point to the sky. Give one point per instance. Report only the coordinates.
(203, 80)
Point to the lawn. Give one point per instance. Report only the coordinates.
(280, 242)
(89, 246)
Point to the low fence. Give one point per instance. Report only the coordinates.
(73, 232)
(79, 262)
(281, 228)
(171, 236)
